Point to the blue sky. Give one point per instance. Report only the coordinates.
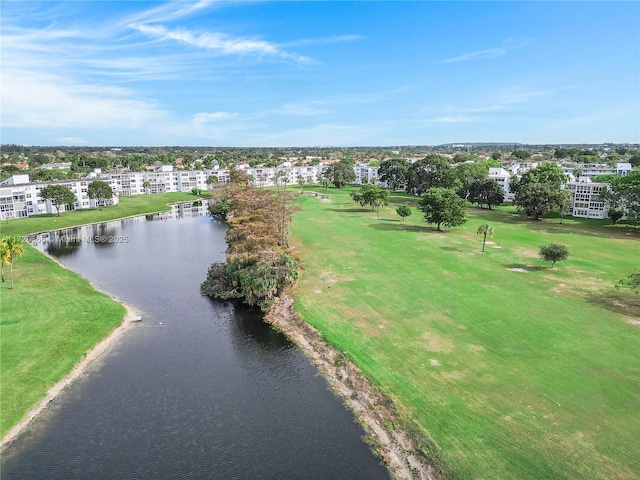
(254, 73)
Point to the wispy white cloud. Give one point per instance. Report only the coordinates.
(219, 43)
(479, 55)
(509, 45)
(169, 11)
(319, 134)
(303, 109)
(447, 119)
(505, 102)
(204, 117)
(323, 41)
(33, 99)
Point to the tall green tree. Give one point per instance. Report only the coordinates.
(100, 191)
(487, 231)
(624, 195)
(372, 196)
(565, 198)
(442, 206)
(465, 174)
(538, 192)
(58, 195)
(554, 252)
(433, 171)
(341, 173)
(11, 247)
(394, 172)
(486, 191)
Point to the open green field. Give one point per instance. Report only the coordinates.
(53, 317)
(515, 370)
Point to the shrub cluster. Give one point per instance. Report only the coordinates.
(259, 262)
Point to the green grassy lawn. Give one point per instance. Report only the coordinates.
(515, 370)
(53, 317)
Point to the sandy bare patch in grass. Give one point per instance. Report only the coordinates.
(436, 343)
(517, 269)
(633, 321)
(560, 288)
(476, 348)
(372, 330)
(525, 252)
(455, 375)
(330, 277)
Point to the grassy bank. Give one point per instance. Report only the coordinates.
(53, 317)
(515, 370)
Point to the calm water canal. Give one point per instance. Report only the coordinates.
(198, 389)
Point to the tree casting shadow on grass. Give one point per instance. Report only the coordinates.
(622, 303)
(451, 249)
(402, 226)
(528, 268)
(350, 210)
(578, 226)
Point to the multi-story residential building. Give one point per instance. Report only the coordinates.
(586, 199)
(503, 178)
(593, 170)
(20, 198)
(365, 174)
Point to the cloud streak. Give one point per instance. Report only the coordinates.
(219, 43)
(479, 55)
(169, 12)
(33, 99)
(489, 53)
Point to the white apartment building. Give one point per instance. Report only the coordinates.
(366, 174)
(19, 198)
(593, 170)
(586, 199)
(503, 178)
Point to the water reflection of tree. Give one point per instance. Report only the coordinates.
(61, 246)
(103, 233)
(247, 323)
(64, 242)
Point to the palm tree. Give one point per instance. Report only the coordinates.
(146, 186)
(4, 255)
(14, 248)
(486, 230)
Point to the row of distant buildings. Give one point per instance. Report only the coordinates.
(21, 198)
(586, 203)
